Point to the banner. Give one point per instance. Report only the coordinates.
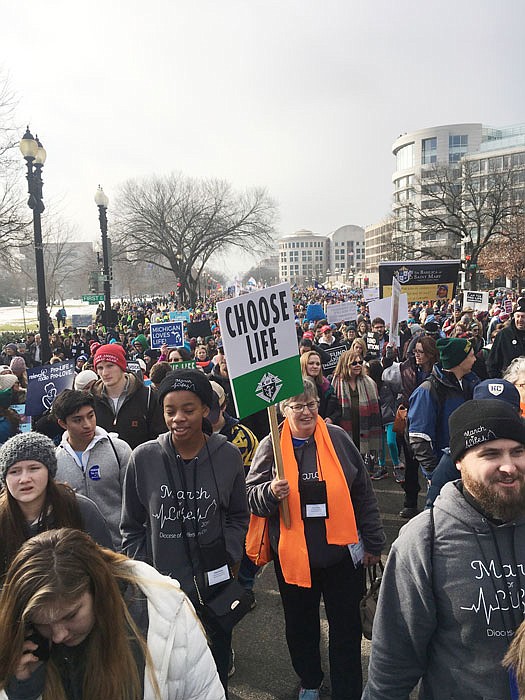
(188, 364)
(315, 312)
(394, 311)
(335, 352)
(260, 344)
(81, 320)
(382, 308)
(372, 346)
(45, 383)
(169, 333)
(370, 293)
(179, 316)
(421, 280)
(478, 300)
(345, 311)
(198, 329)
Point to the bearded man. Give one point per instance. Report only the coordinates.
(453, 589)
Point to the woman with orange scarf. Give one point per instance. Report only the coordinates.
(335, 528)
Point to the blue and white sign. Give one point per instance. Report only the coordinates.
(180, 316)
(45, 383)
(169, 333)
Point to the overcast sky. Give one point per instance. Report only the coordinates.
(304, 97)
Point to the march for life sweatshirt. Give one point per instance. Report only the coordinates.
(209, 502)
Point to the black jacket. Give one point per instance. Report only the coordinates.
(139, 418)
(508, 344)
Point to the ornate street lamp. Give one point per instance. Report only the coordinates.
(102, 201)
(35, 156)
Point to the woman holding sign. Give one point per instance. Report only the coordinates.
(330, 498)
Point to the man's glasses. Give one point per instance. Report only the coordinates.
(356, 362)
(299, 407)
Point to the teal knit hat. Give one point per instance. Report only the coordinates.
(142, 340)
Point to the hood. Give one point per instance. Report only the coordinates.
(100, 434)
(153, 585)
(214, 442)
(452, 503)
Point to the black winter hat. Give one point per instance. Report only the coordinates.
(187, 380)
(479, 421)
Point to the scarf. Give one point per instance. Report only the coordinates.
(370, 426)
(341, 528)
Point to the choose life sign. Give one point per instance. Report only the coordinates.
(260, 344)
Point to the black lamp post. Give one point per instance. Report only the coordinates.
(102, 201)
(35, 156)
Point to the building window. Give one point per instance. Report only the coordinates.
(405, 157)
(457, 147)
(429, 151)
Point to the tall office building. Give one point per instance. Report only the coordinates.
(483, 150)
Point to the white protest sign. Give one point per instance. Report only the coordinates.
(345, 311)
(394, 311)
(260, 344)
(371, 293)
(478, 300)
(381, 308)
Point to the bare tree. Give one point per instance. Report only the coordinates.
(14, 215)
(178, 223)
(504, 255)
(462, 206)
(65, 262)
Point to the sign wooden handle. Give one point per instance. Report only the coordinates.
(278, 458)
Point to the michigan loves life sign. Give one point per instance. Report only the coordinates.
(260, 344)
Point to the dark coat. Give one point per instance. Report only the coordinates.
(140, 417)
(508, 344)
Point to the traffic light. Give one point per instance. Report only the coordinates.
(468, 258)
(366, 280)
(179, 288)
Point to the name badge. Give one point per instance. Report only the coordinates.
(316, 510)
(218, 575)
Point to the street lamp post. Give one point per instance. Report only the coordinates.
(35, 156)
(102, 201)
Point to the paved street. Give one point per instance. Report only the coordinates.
(263, 668)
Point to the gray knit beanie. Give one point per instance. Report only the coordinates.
(33, 446)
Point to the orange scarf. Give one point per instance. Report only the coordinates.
(341, 527)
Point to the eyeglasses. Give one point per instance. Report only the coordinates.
(299, 407)
(356, 362)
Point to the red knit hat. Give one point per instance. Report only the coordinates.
(111, 353)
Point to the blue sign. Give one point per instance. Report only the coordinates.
(169, 333)
(315, 312)
(179, 316)
(45, 383)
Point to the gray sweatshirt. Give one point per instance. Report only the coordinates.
(99, 474)
(211, 503)
(448, 607)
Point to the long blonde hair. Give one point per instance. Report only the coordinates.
(304, 365)
(60, 566)
(343, 368)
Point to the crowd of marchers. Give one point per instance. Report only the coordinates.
(152, 498)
